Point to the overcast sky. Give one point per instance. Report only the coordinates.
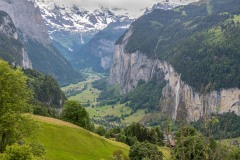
(133, 6)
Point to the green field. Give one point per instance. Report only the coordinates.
(228, 142)
(65, 141)
(116, 110)
(135, 117)
(90, 95)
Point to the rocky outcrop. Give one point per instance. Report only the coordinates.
(26, 63)
(7, 27)
(33, 32)
(11, 44)
(179, 100)
(97, 53)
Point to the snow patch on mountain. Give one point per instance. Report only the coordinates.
(76, 19)
(85, 16)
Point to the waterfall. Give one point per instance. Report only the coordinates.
(177, 97)
(82, 41)
(26, 63)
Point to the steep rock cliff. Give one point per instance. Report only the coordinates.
(179, 100)
(97, 53)
(27, 17)
(11, 48)
(33, 32)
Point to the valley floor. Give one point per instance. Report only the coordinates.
(84, 93)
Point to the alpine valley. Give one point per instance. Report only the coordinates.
(74, 30)
(119, 79)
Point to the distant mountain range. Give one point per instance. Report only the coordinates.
(76, 19)
(50, 33)
(74, 29)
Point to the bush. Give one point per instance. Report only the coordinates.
(23, 152)
(100, 131)
(145, 95)
(145, 150)
(220, 126)
(74, 112)
(192, 145)
(119, 155)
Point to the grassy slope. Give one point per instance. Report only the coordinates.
(65, 141)
(228, 142)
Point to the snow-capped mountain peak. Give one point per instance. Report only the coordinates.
(80, 29)
(85, 16)
(76, 19)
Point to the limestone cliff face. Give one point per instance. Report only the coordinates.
(10, 38)
(33, 32)
(179, 100)
(27, 18)
(6, 26)
(26, 63)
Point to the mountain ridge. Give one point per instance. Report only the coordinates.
(34, 36)
(73, 29)
(194, 69)
(11, 48)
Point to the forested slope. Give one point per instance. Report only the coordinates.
(201, 42)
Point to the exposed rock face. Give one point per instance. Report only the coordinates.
(7, 28)
(101, 47)
(79, 27)
(18, 51)
(128, 69)
(33, 31)
(26, 63)
(26, 16)
(179, 100)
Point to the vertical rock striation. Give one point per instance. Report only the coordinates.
(27, 17)
(33, 32)
(11, 47)
(179, 100)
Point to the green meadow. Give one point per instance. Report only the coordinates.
(90, 95)
(65, 141)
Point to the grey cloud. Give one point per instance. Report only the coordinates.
(128, 4)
